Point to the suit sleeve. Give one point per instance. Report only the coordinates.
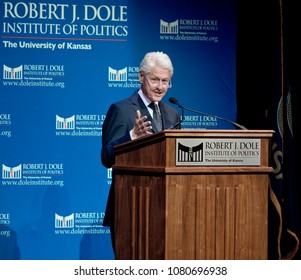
(114, 131)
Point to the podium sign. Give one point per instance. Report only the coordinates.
(217, 152)
(189, 194)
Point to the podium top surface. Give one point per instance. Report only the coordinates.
(216, 133)
(186, 133)
(196, 150)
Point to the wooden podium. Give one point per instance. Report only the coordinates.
(193, 194)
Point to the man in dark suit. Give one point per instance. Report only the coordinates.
(134, 116)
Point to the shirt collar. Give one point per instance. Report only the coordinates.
(145, 100)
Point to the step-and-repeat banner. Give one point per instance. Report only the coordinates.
(63, 63)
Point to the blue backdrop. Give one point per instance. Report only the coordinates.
(63, 63)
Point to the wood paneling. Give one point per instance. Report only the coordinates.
(164, 211)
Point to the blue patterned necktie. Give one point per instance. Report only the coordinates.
(156, 115)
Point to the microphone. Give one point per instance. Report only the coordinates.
(182, 118)
(174, 100)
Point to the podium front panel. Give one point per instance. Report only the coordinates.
(173, 212)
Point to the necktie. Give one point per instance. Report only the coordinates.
(156, 115)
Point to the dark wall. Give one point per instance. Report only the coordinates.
(259, 58)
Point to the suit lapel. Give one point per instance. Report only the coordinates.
(139, 105)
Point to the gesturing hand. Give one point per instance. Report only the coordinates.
(142, 126)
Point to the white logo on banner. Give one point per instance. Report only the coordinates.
(4, 218)
(64, 222)
(118, 75)
(128, 77)
(11, 172)
(34, 75)
(169, 28)
(203, 30)
(65, 123)
(33, 174)
(12, 73)
(79, 125)
(5, 122)
(4, 225)
(80, 223)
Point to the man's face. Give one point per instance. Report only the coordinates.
(155, 84)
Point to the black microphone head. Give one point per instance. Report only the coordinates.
(173, 100)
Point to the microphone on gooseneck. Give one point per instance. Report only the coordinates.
(174, 100)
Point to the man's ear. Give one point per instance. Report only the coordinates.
(141, 76)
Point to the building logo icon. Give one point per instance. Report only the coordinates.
(65, 123)
(11, 172)
(169, 27)
(64, 222)
(10, 73)
(118, 75)
(190, 154)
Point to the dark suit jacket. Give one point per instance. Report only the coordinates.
(120, 119)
